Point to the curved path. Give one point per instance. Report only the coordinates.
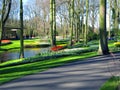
(81, 75)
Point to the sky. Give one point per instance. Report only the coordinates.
(24, 1)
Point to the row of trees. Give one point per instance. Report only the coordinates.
(103, 46)
(70, 18)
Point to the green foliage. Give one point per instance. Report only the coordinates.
(77, 45)
(111, 84)
(93, 42)
(58, 42)
(92, 36)
(117, 44)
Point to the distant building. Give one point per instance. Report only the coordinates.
(11, 33)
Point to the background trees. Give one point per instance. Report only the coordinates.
(76, 20)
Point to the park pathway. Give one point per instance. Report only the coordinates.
(81, 75)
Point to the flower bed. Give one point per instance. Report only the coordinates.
(56, 48)
(5, 42)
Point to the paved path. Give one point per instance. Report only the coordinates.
(80, 75)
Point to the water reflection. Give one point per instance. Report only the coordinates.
(27, 52)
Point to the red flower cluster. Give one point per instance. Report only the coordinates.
(5, 41)
(56, 48)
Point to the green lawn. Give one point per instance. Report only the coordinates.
(13, 72)
(16, 44)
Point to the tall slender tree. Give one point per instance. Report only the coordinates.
(71, 20)
(103, 45)
(21, 31)
(53, 22)
(82, 19)
(86, 23)
(109, 28)
(77, 19)
(116, 25)
(5, 14)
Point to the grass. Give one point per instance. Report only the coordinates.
(62, 42)
(34, 42)
(13, 72)
(30, 43)
(16, 45)
(111, 84)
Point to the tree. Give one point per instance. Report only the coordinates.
(116, 25)
(93, 13)
(21, 31)
(86, 23)
(53, 22)
(109, 28)
(78, 19)
(5, 14)
(103, 45)
(71, 20)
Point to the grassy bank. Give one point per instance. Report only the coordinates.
(111, 84)
(30, 43)
(13, 72)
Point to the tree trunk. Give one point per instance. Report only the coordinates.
(116, 25)
(82, 26)
(103, 45)
(21, 31)
(71, 21)
(53, 22)
(93, 16)
(78, 27)
(109, 28)
(86, 23)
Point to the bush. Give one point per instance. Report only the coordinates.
(77, 45)
(117, 44)
(62, 42)
(92, 36)
(36, 45)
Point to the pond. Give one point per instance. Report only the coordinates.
(27, 52)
